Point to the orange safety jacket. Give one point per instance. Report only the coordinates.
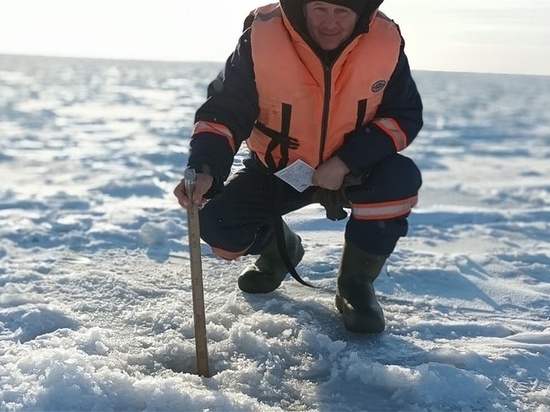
(306, 108)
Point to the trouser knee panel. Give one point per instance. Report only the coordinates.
(394, 178)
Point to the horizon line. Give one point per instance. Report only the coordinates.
(221, 63)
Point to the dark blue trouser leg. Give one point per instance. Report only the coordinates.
(240, 218)
(392, 180)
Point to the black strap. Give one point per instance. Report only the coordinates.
(281, 139)
(280, 235)
(286, 143)
(361, 111)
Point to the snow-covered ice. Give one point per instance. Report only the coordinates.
(95, 295)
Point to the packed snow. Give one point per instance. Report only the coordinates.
(95, 290)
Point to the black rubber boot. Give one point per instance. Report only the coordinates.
(269, 270)
(355, 296)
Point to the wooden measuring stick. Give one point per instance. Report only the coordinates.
(199, 317)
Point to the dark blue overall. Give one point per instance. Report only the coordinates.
(240, 219)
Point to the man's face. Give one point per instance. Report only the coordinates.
(329, 24)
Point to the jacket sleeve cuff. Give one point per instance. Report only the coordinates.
(217, 163)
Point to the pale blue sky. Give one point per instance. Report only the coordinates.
(502, 36)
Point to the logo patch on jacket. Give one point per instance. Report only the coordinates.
(379, 85)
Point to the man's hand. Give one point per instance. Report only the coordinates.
(202, 184)
(330, 175)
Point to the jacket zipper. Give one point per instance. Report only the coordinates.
(326, 105)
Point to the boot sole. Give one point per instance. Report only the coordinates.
(359, 322)
(255, 281)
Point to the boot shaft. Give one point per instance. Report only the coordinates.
(269, 270)
(271, 252)
(359, 267)
(355, 294)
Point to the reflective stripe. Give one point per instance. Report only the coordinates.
(211, 127)
(390, 127)
(226, 254)
(384, 210)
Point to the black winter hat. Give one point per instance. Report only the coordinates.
(358, 6)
